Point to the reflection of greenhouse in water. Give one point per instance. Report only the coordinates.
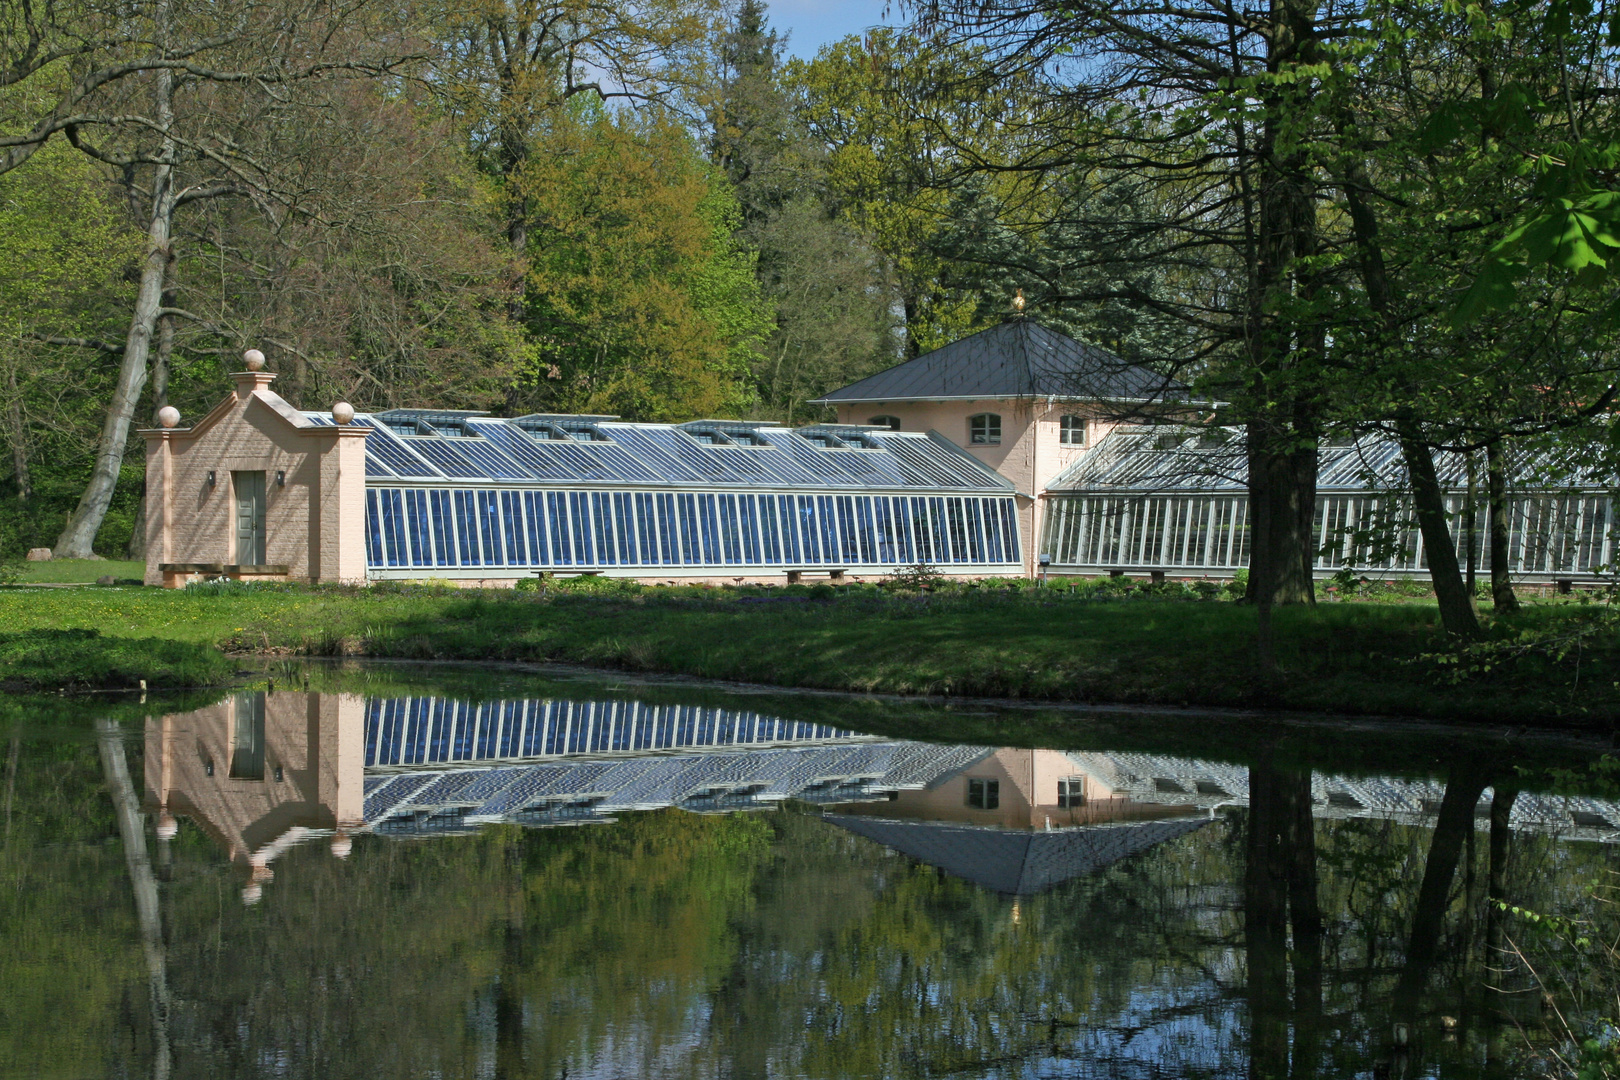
(264, 772)
(1160, 498)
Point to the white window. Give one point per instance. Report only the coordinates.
(1071, 792)
(890, 422)
(1072, 431)
(984, 429)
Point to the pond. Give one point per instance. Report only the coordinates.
(414, 872)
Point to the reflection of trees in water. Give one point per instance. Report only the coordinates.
(743, 945)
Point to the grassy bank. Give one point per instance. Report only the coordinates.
(84, 659)
(1341, 657)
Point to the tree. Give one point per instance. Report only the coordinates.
(640, 300)
(828, 288)
(199, 124)
(902, 118)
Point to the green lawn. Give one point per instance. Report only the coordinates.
(80, 570)
(1341, 657)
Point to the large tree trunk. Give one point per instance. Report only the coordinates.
(1282, 510)
(17, 432)
(1502, 594)
(79, 536)
(1495, 889)
(1279, 894)
(1429, 502)
(1282, 436)
(143, 883)
(1265, 922)
(1464, 785)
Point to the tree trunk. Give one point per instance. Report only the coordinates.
(1282, 508)
(1464, 785)
(1429, 503)
(1471, 529)
(1502, 594)
(78, 538)
(1285, 351)
(1265, 922)
(143, 883)
(17, 432)
(1495, 888)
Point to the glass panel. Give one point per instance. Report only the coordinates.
(579, 509)
(942, 533)
(512, 527)
(416, 515)
(602, 518)
(770, 529)
(669, 533)
(562, 548)
(489, 524)
(444, 528)
(690, 549)
(534, 503)
(710, 530)
(730, 537)
(902, 530)
(750, 529)
(373, 531)
(827, 513)
(624, 531)
(866, 529)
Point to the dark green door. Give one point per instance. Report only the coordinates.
(249, 517)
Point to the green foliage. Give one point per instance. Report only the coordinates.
(84, 658)
(641, 302)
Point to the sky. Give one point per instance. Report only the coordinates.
(810, 24)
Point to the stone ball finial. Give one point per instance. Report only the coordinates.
(343, 412)
(254, 359)
(252, 894)
(342, 845)
(168, 416)
(167, 827)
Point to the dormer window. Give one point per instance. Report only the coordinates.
(890, 422)
(1072, 431)
(984, 429)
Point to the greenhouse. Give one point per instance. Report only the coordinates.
(1174, 501)
(459, 494)
(259, 490)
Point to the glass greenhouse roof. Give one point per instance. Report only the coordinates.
(419, 445)
(1165, 458)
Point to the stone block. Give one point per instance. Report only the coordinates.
(39, 554)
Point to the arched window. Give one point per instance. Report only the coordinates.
(890, 422)
(1072, 431)
(984, 429)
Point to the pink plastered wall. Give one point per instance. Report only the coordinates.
(1031, 453)
(314, 518)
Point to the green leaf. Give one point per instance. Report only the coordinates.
(1492, 290)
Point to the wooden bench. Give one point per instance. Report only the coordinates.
(571, 572)
(834, 573)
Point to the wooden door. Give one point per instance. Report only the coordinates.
(249, 517)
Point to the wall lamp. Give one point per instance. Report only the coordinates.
(281, 478)
(211, 478)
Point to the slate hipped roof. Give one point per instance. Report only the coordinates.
(1019, 358)
(1015, 861)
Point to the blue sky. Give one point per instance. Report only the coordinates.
(810, 24)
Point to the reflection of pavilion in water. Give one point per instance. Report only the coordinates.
(261, 772)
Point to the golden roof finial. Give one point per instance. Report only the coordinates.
(1018, 302)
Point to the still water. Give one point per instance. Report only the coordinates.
(379, 874)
